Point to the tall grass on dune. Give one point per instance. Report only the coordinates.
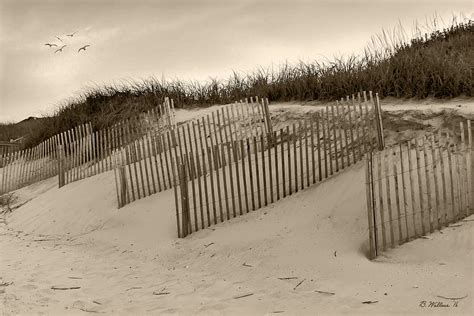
(439, 64)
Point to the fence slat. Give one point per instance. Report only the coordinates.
(277, 168)
(211, 178)
(300, 138)
(251, 173)
(264, 169)
(235, 151)
(420, 190)
(397, 196)
(389, 198)
(369, 183)
(381, 200)
(404, 191)
(244, 174)
(428, 184)
(295, 156)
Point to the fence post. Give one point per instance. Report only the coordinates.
(123, 185)
(268, 122)
(370, 208)
(60, 166)
(183, 183)
(469, 137)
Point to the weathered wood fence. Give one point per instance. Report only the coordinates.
(83, 152)
(92, 154)
(148, 165)
(265, 168)
(31, 165)
(418, 186)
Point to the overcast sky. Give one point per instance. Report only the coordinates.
(137, 39)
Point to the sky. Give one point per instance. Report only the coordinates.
(137, 39)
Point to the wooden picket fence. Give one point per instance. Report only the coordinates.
(148, 165)
(82, 151)
(92, 153)
(418, 186)
(31, 165)
(262, 169)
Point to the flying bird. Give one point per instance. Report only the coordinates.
(83, 48)
(59, 38)
(50, 45)
(71, 35)
(60, 49)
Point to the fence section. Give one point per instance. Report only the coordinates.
(92, 154)
(418, 186)
(31, 165)
(264, 168)
(83, 152)
(148, 165)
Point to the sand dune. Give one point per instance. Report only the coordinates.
(70, 251)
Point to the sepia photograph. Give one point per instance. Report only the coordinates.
(236, 157)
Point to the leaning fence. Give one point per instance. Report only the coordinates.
(148, 165)
(82, 151)
(31, 165)
(418, 186)
(265, 168)
(93, 154)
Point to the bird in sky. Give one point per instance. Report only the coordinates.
(60, 49)
(50, 45)
(71, 35)
(83, 48)
(59, 38)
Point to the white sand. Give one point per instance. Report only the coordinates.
(75, 237)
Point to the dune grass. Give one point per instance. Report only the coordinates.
(439, 64)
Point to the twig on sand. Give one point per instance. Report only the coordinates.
(246, 265)
(241, 296)
(278, 312)
(89, 310)
(298, 284)
(324, 292)
(162, 292)
(6, 283)
(65, 288)
(134, 288)
(288, 278)
(369, 302)
(452, 298)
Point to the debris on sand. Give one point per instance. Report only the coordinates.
(298, 284)
(162, 292)
(452, 298)
(242, 296)
(324, 292)
(65, 288)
